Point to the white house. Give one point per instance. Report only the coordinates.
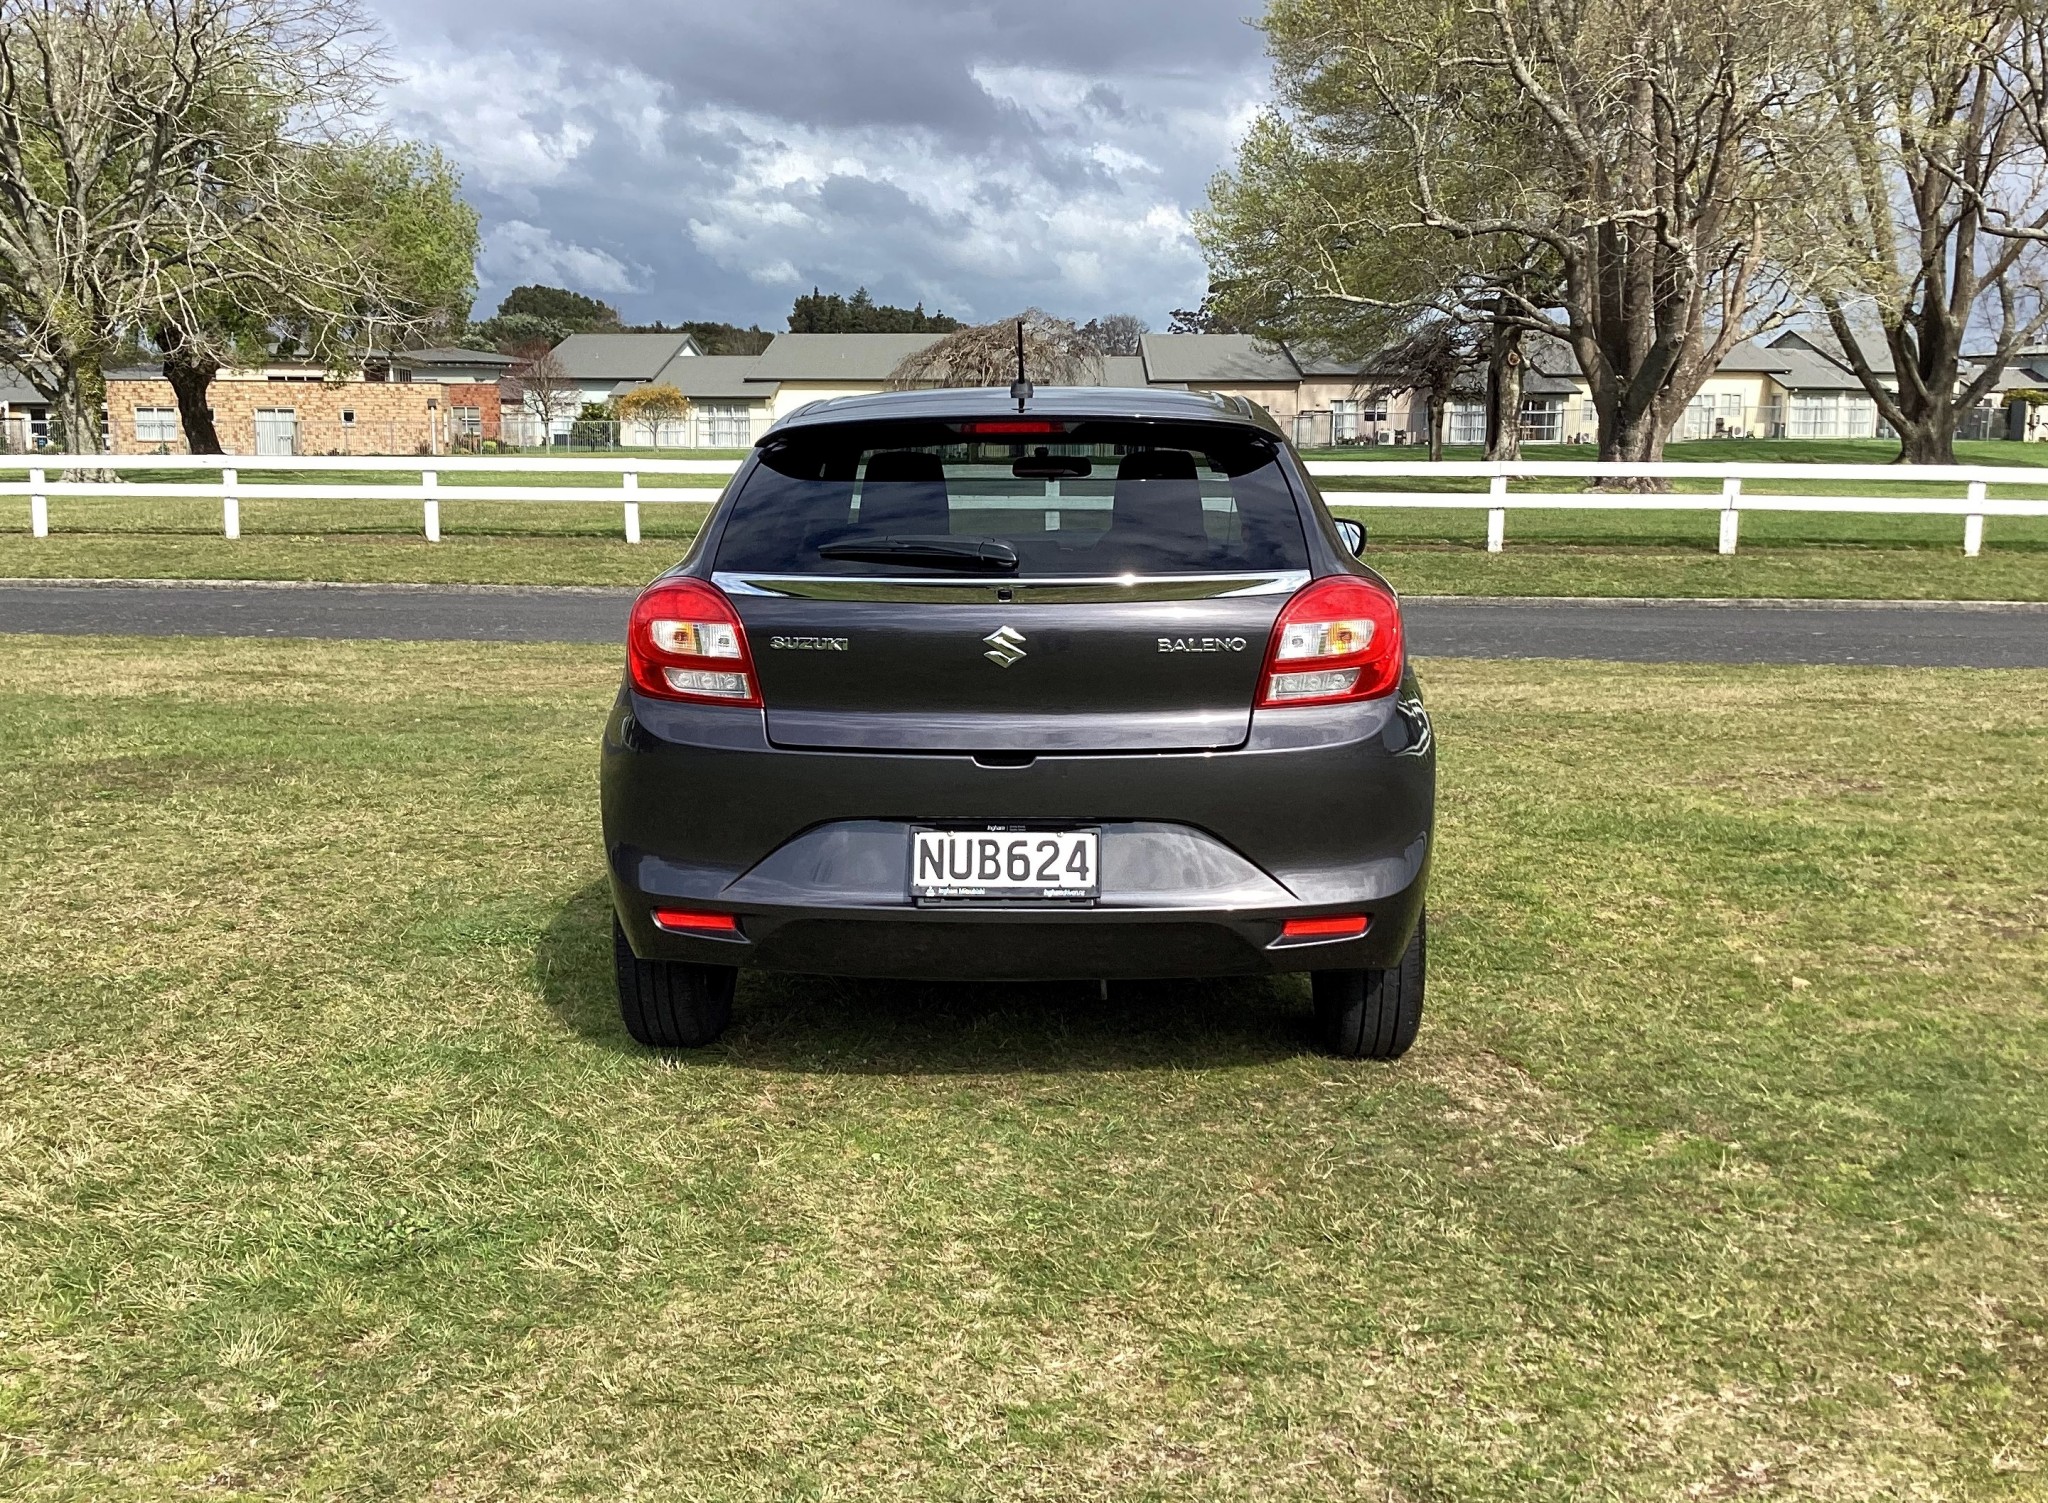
(599, 367)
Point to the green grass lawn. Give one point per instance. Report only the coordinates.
(569, 545)
(327, 1171)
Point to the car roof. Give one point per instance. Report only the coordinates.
(1133, 403)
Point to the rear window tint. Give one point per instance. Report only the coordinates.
(1100, 499)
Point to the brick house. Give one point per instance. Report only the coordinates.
(418, 402)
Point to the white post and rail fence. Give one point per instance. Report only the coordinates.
(1964, 491)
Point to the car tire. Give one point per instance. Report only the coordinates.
(670, 1004)
(1373, 1014)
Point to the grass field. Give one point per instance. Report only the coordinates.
(326, 1170)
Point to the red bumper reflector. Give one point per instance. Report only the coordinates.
(686, 922)
(1344, 926)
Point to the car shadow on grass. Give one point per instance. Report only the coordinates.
(821, 1024)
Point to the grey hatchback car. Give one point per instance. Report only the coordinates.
(1084, 686)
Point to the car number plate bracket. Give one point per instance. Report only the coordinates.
(1005, 862)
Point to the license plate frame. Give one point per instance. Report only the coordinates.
(969, 847)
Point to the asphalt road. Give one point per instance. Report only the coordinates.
(1937, 635)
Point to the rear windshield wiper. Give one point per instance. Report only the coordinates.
(967, 555)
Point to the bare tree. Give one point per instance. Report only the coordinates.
(1433, 359)
(1118, 334)
(1055, 354)
(1627, 152)
(1932, 204)
(2021, 60)
(152, 157)
(540, 384)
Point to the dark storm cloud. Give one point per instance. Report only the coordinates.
(709, 161)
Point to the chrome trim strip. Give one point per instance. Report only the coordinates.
(980, 589)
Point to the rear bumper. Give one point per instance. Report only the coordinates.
(976, 943)
(1204, 855)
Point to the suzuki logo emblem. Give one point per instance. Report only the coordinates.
(1006, 646)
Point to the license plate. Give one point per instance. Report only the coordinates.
(996, 862)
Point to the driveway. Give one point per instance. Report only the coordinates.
(1945, 634)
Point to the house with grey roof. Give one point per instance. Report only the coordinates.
(730, 405)
(24, 414)
(602, 366)
(734, 398)
(1822, 396)
(449, 365)
(2012, 408)
(1793, 385)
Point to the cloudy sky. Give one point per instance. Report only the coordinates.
(685, 159)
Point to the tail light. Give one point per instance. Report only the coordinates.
(685, 642)
(1338, 639)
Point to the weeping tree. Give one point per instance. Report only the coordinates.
(167, 167)
(1056, 353)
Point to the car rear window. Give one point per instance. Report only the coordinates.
(1092, 499)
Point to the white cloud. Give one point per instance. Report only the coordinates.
(516, 251)
(511, 141)
(1082, 226)
(1049, 155)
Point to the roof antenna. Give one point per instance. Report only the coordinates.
(1020, 389)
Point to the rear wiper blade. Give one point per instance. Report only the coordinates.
(967, 555)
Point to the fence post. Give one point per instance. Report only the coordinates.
(230, 508)
(632, 508)
(1731, 514)
(1973, 524)
(429, 480)
(1497, 518)
(38, 507)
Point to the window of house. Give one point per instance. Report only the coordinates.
(156, 425)
(1834, 415)
(468, 422)
(1465, 423)
(1344, 421)
(1715, 415)
(724, 425)
(1806, 415)
(1542, 420)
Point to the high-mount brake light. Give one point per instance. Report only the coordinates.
(1012, 426)
(1338, 639)
(685, 642)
